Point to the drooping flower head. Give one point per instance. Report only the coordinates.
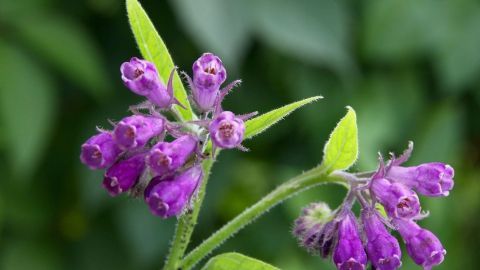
(208, 75)
(422, 245)
(169, 196)
(167, 157)
(226, 130)
(124, 174)
(100, 151)
(382, 248)
(136, 130)
(349, 253)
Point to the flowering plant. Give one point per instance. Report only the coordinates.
(164, 151)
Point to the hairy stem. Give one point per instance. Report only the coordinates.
(186, 224)
(299, 183)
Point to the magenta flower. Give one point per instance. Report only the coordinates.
(422, 245)
(100, 151)
(399, 200)
(382, 248)
(167, 157)
(124, 174)
(349, 253)
(169, 196)
(227, 130)
(429, 179)
(142, 78)
(136, 130)
(208, 75)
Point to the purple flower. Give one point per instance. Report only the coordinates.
(399, 200)
(422, 245)
(100, 151)
(208, 75)
(382, 248)
(314, 228)
(169, 196)
(136, 130)
(226, 130)
(349, 252)
(429, 179)
(141, 77)
(168, 156)
(124, 174)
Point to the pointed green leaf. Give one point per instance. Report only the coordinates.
(341, 150)
(260, 123)
(153, 49)
(236, 261)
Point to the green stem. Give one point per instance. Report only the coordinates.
(304, 181)
(186, 224)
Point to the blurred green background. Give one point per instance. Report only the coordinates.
(410, 68)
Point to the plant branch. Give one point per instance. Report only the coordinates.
(295, 185)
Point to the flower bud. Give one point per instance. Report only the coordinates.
(168, 156)
(312, 229)
(169, 196)
(399, 201)
(208, 75)
(382, 248)
(422, 245)
(429, 179)
(135, 131)
(124, 174)
(349, 252)
(226, 130)
(100, 151)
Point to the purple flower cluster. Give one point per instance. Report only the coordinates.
(147, 153)
(393, 188)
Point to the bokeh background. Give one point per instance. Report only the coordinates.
(410, 68)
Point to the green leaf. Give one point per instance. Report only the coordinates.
(27, 107)
(236, 261)
(260, 123)
(341, 150)
(68, 47)
(154, 49)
